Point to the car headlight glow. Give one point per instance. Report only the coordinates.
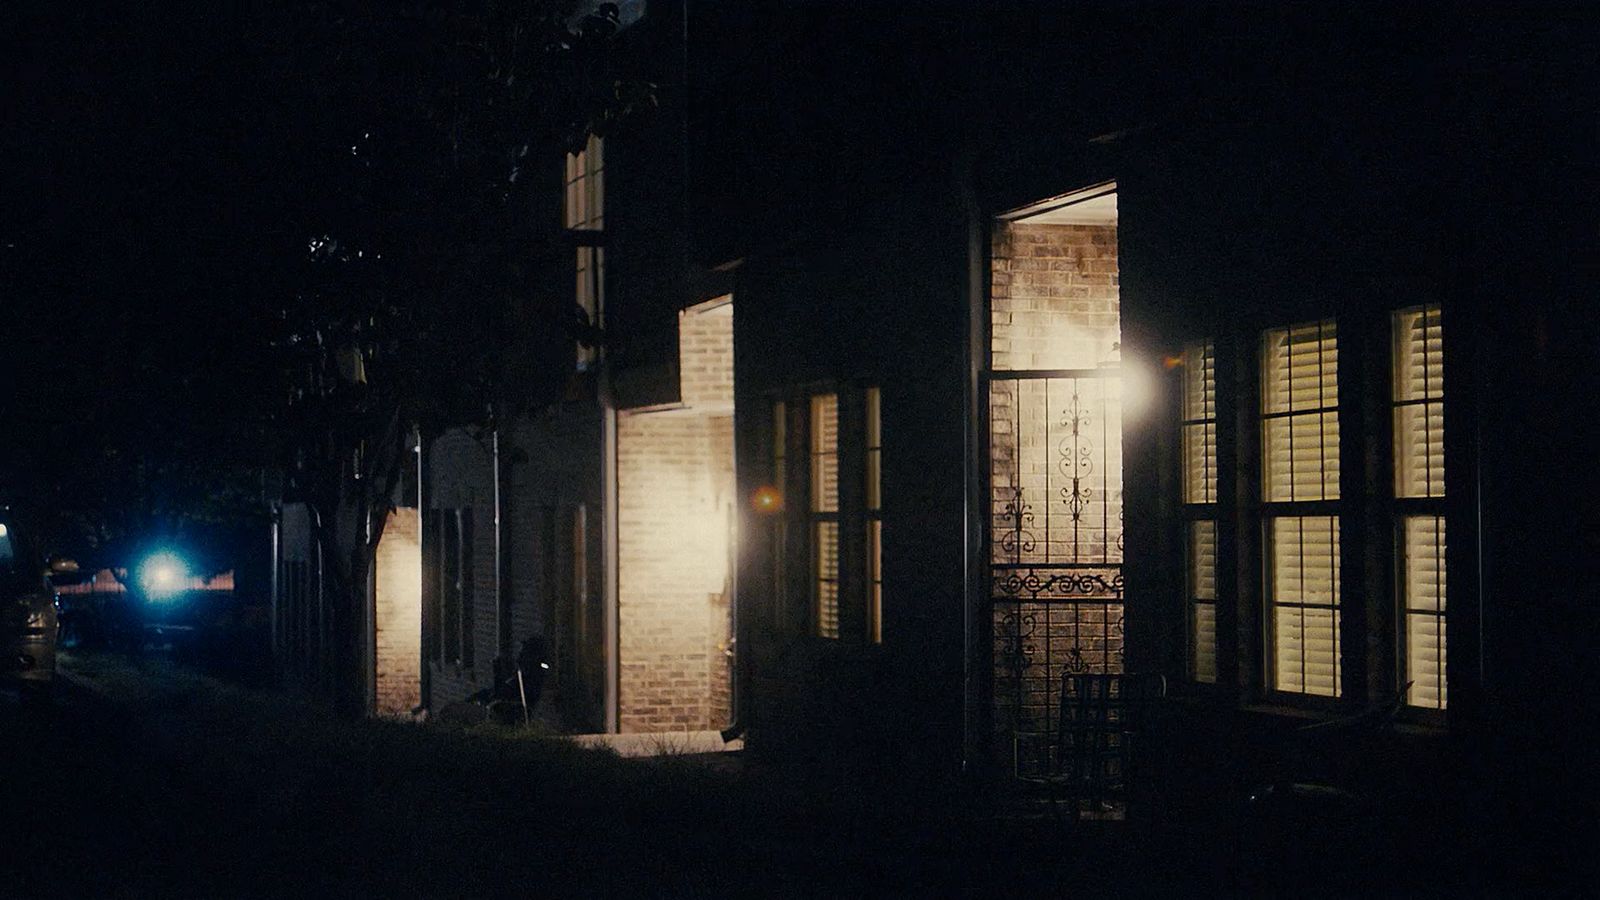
(163, 576)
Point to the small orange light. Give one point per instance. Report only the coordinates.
(766, 499)
(1172, 362)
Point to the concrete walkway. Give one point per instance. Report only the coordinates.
(661, 743)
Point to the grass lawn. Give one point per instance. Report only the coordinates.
(148, 779)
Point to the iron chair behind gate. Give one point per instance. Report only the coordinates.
(1103, 723)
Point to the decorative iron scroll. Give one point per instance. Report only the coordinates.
(1047, 583)
(1055, 546)
(1016, 516)
(1076, 453)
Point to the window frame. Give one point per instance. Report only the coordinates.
(1406, 507)
(794, 537)
(1372, 602)
(584, 179)
(1205, 511)
(1269, 511)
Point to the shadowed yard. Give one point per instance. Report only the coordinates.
(144, 778)
(147, 779)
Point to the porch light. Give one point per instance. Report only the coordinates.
(716, 540)
(767, 500)
(1138, 388)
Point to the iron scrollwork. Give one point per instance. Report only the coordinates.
(1076, 452)
(1017, 537)
(1062, 584)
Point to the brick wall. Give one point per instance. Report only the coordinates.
(675, 498)
(705, 358)
(1054, 296)
(398, 607)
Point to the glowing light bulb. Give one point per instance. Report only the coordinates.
(766, 499)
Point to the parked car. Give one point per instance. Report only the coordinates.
(28, 616)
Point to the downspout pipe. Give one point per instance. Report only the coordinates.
(320, 672)
(499, 580)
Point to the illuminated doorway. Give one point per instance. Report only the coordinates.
(675, 541)
(1053, 395)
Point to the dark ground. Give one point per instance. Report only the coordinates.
(144, 778)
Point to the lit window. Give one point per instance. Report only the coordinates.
(1199, 424)
(837, 567)
(824, 514)
(1200, 499)
(1300, 487)
(1300, 413)
(1418, 402)
(1304, 587)
(585, 187)
(584, 210)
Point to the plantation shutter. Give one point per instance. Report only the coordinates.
(1423, 580)
(1418, 336)
(824, 447)
(1199, 425)
(1203, 600)
(1419, 413)
(1305, 597)
(1200, 498)
(1300, 448)
(1300, 400)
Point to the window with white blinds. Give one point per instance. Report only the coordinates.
(583, 209)
(1300, 487)
(1304, 586)
(1202, 590)
(1199, 424)
(1199, 440)
(1419, 403)
(824, 514)
(1300, 413)
(1418, 340)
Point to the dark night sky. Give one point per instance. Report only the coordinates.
(136, 212)
(154, 196)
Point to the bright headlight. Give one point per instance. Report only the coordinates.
(163, 575)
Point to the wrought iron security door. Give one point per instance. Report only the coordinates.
(1054, 542)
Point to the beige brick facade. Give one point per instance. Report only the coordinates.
(398, 609)
(1055, 296)
(675, 489)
